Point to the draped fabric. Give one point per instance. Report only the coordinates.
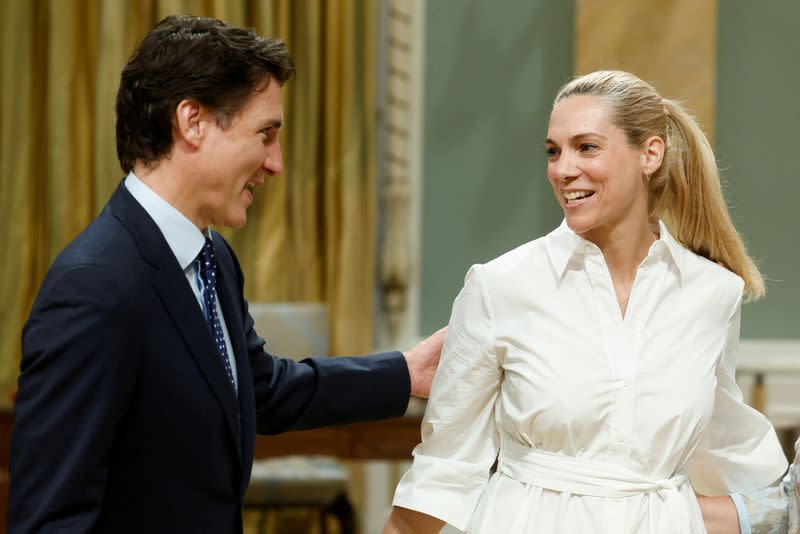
(310, 234)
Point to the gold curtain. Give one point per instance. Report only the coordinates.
(310, 234)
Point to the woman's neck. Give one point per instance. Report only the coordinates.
(624, 247)
(624, 244)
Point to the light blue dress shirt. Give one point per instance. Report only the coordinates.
(185, 240)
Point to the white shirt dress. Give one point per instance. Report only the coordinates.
(551, 413)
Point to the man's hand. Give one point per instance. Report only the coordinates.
(719, 515)
(422, 362)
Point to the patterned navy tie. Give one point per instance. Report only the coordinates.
(208, 273)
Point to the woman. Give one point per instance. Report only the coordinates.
(596, 364)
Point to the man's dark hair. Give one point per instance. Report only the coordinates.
(182, 57)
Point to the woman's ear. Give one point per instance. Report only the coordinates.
(652, 155)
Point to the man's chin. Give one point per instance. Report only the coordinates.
(237, 223)
(233, 221)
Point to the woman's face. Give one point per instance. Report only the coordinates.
(598, 178)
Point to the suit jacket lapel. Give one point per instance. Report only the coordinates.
(230, 300)
(179, 300)
(181, 304)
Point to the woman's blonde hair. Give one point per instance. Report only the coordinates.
(685, 192)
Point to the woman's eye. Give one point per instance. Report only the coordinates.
(588, 147)
(551, 151)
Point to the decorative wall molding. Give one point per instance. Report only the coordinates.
(400, 115)
(400, 137)
(773, 355)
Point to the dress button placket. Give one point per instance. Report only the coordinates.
(613, 334)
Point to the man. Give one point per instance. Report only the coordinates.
(142, 380)
(773, 510)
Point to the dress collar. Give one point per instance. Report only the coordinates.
(562, 244)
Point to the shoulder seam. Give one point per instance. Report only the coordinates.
(487, 299)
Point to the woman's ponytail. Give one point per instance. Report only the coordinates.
(691, 203)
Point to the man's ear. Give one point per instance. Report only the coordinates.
(652, 155)
(190, 122)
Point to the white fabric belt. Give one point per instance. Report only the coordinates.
(557, 472)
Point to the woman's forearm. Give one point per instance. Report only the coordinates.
(719, 515)
(405, 521)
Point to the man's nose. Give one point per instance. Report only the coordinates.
(273, 163)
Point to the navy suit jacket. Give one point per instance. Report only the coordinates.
(125, 420)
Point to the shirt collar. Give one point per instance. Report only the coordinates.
(182, 236)
(562, 244)
(676, 250)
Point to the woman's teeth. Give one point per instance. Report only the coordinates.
(570, 196)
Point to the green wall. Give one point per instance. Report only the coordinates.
(758, 146)
(492, 70)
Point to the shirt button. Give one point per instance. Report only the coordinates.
(620, 437)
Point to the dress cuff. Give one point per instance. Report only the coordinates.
(445, 489)
(741, 511)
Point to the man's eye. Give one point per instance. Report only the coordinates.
(551, 151)
(588, 147)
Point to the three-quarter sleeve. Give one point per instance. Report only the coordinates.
(460, 440)
(740, 450)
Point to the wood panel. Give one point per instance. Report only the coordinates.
(671, 44)
(393, 439)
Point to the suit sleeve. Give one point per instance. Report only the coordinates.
(326, 391)
(77, 374)
(323, 391)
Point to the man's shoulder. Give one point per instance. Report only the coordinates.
(105, 252)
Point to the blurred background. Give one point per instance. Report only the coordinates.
(413, 149)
